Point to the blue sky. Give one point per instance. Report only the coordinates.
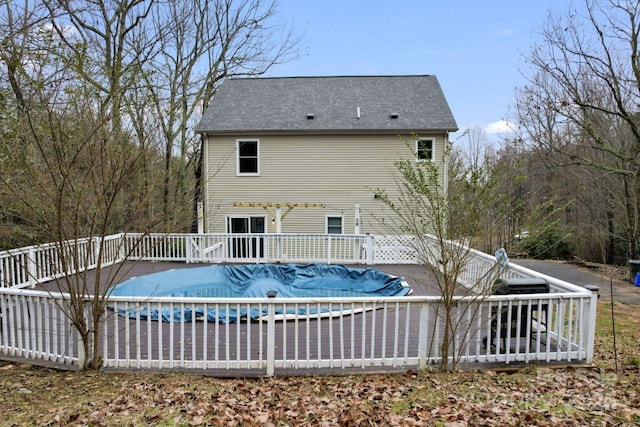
(474, 47)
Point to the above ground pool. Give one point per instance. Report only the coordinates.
(254, 281)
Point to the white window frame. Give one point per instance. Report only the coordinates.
(238, 172)
(433, 149)
(326, 223)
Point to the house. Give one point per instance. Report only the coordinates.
(304, 154)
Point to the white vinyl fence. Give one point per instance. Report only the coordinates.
(31, 265)
(251, 248)
(35, 325)
(278, 335)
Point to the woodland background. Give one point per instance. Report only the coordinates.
(98, 100)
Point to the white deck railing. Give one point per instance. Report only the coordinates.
(359, 332)
(35, 326)
(251, 248)
(28, 266)
(395, 332)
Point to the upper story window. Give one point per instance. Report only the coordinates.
(334, 225)
(248, 157)
(425, 149)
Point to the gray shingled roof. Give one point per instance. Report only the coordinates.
(283, 104)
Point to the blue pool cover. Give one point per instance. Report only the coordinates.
(254, 281)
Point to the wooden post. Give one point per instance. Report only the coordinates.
(369, 255)
(423, 336)
(588, 324)
(278, 220)
(200, 207)
(271, 334)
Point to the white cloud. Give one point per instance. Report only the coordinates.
(505, 32)
(501, 126)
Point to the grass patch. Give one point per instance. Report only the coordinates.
(627, 343)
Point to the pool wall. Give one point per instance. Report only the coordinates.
(254, 281)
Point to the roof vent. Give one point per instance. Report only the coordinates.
(393, 116)
(310, 116)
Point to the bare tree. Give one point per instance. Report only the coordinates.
(580, 105)
(71, 189)
(475, 149)
(150, 68)
(100, 36)
(200, 44)
(29, 76)
(441, 223)
(472, 155)
(91, 83)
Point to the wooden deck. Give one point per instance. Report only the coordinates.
(35, 326)
(301, 343)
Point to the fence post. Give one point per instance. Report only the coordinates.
(369, 256)
(188, 241)
(32, 272)
(278, 248)
(95, 255)
(589, 324)
(423, 331)
(271, 334)
(122, 249)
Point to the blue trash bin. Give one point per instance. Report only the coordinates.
(634, 269)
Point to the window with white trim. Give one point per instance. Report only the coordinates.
(248, 157)
(425, 149)
(334, 225)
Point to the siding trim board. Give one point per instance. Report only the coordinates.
(330, 132)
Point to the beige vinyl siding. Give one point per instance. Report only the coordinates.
(336, 171)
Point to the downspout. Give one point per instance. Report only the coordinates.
(201, 196)
(205, 192)
(445, 174)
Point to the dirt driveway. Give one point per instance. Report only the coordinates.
(623, 290)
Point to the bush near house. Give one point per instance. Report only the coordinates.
(548, 244)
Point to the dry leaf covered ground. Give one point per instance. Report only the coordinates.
(533, 396)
